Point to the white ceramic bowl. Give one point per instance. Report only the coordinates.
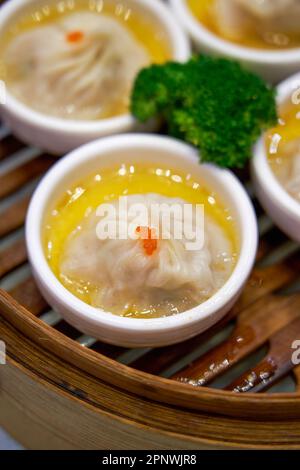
(274, 66)
(59, 136)
(281, 207)
(130, 148)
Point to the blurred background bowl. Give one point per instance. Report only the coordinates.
(273, 66)
(59, 136)
(277, 202)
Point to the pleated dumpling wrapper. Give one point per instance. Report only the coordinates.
(79, 67)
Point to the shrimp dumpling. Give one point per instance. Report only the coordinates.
(81, 67)
(155, 275)
(266, 8)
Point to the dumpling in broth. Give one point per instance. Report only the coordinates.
(81, 67)
(289, 172)
(267, 8)
(153, 276)
(237, 18)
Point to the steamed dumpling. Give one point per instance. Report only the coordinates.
(126, 276)
(81, 67)
(235, 18)
(267, 8)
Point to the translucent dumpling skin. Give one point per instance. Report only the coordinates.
(237, 18)
(81, 67)
(155, 276)
(267, 8)
(288, 172)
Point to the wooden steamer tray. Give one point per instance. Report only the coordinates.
(61, 389)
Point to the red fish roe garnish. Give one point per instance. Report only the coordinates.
(75, 36)
(149, 239)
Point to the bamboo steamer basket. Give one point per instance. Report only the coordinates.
(234, 386)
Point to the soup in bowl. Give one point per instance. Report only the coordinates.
(264, 35)
(283, 145)
(146, 247)
(275, 167)
(267, 24)
(69, 66)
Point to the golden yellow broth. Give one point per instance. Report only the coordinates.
(203, 10)
(287, 130)
(85, 196)
(151, 35)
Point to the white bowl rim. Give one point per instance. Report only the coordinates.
(98, 317)
(181, 52)
(243, 53)
(260, 161)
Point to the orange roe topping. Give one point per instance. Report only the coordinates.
(149, 239)
(75, 36)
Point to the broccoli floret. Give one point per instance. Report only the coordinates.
(211, 103)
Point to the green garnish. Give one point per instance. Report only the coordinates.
(211, 103)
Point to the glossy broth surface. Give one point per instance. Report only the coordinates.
(80, 200)
(257, 38)
(283, 141)
(150, 35)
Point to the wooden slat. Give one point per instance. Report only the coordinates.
(272, 240)
(28, 295)
(12, 257)
(254, 327)
(14, 216)
(261, 283)
(274, 366)
(264, 281)
(296, 373)
(23, 174)
(9, 145)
